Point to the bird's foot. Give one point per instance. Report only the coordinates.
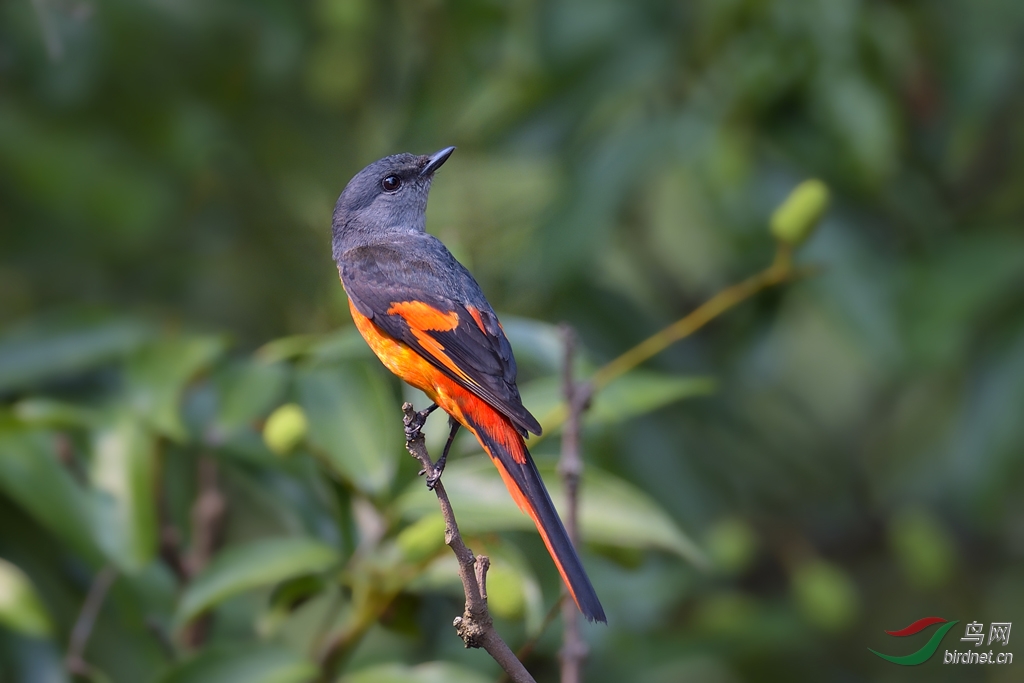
(434, 476)
(414, 423)
(438, 467)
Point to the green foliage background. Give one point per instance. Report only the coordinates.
(849, 453)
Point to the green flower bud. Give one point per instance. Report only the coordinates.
(795, 219)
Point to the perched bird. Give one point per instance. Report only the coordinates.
(425, 317)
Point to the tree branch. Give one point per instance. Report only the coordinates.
(75, 659)
(570, 467)
(208, 516)
(475, 626)
(780, 271)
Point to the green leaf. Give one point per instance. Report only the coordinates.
(245, 567)
(732, 545)
(512, 587)
(825, 594)
(286, 348)
(243, 664)
(20, 607)
(534, 341)
(636, 393)
(345, 345)
(285, 599)
(505, 591)
(422, 538)
(123, 478)
(32, 476)
(612, 511)
(429, 672)
(327, 348)
(640, 392)
(247, 390)
(924, 549)
(44, 412)
(41, 351)
(158, 374)
(947, 292)
(513, 590)
(354, 419)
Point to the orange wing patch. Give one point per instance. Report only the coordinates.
(436, 349)
(476, 317)
(422, 316)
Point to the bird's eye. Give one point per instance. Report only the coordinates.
(391, 183)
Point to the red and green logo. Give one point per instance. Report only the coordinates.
(927, 650)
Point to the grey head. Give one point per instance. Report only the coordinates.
(387, 197)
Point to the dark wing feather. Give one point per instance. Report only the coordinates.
(379, 276)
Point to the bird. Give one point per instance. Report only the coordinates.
(427, 320)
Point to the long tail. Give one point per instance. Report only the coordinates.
(508, 452)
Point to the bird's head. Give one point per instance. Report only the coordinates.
(389, 195)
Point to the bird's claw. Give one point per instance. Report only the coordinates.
(433, 477)
(414, 423)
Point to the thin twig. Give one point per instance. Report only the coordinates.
(208, 516)
(779, 272)
(75, 659)
(570, 467)
(475, 626)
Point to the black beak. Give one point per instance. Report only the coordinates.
(436, 160)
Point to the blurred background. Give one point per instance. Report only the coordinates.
(191, 434)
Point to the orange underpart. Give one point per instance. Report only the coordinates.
(397, 357)
(407, 363)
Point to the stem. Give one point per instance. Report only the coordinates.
(475, 626)
(577, 397)
(208, 516)
(781, 270)
(75, 659)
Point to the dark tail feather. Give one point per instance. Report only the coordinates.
(508, 451)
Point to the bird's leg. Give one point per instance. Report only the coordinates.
(412, 429)
(435, 475)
